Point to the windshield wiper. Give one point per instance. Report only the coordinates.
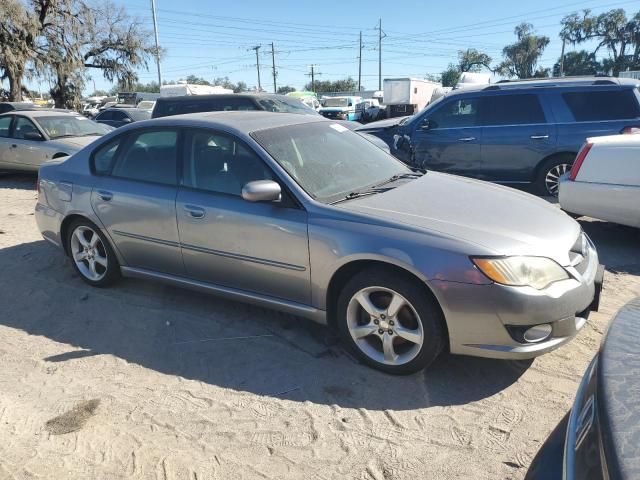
(400, 176)
(360, 193)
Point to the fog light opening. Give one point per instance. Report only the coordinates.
(537, 333)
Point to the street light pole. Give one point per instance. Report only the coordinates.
(155, 31)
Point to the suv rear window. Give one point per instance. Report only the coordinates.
(602, 105)
(165, 108)
(511, 110)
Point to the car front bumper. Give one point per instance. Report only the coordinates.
(479, 317)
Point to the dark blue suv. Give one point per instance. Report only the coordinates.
(515, 132)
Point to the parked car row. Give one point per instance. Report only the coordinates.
(523, 133)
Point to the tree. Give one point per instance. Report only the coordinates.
(471, 60)
(194, 80)
(521, 57)
(612, 30)
(285, 89)
(78, 37)
(240, 87)
(578, 63)
(345, 85)
(18, 32)
(450, 77)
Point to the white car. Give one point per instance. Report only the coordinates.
(604, 181)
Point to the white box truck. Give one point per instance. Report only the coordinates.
(180, 89)
(406, 96)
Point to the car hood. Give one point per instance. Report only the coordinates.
(75, 143)
(492, 219)
(382, 124)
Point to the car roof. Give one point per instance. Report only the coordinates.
(587, 82)
(190, 98)
(41, 112)
(243, 122)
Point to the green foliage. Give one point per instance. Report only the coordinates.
(285, 89)
(195, 80)
(521, 57)
(471, 60)
(578, 63)
(450, 77)
(612, 31)
(345, 85)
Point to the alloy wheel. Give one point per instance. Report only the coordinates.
(385, 326)
(88, 253)
(552, 178)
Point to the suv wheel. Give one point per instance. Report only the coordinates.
(549, 176)
(389, 321)
(91, 254)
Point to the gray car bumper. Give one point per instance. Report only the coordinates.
(478, 315)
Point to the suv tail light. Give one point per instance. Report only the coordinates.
(627, 130)
(579, 159)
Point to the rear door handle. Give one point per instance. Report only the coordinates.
(104, 195)
(539, 137)
(467, 139)
(193, 211)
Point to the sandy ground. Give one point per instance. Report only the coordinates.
(145, 381)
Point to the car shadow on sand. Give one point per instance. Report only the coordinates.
(22, 181)
(223, 343)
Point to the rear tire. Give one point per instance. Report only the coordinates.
(91, 255)
(390, 322)
(548, 176)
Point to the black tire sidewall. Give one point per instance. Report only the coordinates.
(113, 268)
(422, 301)
(541, 186)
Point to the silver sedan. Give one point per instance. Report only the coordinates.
(300, 214)
(28, 138)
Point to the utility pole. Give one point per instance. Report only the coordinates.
(381, 35)
(256, 48)
(360, 64)
(313, 76)
(273, 63)
(562, 58)
(155, 31)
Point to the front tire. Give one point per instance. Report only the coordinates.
(390, 321)
(91, 255)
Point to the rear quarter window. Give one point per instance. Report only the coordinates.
(602, 105)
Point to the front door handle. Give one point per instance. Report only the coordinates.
(193, 211)
(104, 195)
(13, 145)
(539, 137)
(467, 139)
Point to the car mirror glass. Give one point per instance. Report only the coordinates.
(427, 125)
(32, 136)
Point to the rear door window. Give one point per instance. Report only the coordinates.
(150, 156)
(196, 105)
(602, 105)
(520, 109)
(5, 124)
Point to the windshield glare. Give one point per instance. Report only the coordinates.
(70, 125)
(328, 160)
(281, 106)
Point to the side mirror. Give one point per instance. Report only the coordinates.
(261, 191)
(32, 136)
(126, 120)
(426, 125)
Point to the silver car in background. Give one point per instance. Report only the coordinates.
(28, 138)
(298, 213)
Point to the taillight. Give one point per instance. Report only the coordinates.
(630, 130)
(582, 154)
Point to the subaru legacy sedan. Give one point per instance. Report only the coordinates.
(300, 214)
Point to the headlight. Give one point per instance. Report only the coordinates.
(536, 272)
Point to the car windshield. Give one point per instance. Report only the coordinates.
(284, 106)
(138, 114)
(336, 102)
(70, 126)
(328, 160)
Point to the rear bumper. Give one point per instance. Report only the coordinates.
(477, 316)
(49, 222)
